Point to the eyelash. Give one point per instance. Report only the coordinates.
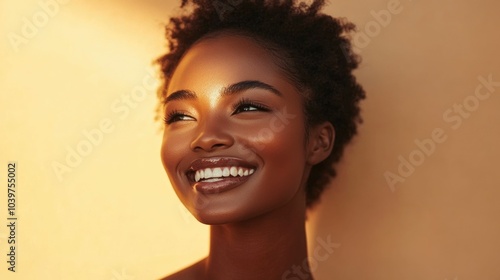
(171, 117)
(244, 102)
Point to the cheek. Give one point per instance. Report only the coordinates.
(281, 141)
(171, 152)
(283, 154)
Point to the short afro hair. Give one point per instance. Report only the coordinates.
(313, 48)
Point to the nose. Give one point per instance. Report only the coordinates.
(212, 136)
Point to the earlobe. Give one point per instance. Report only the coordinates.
(321, 142)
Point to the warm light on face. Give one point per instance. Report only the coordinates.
(228, 103)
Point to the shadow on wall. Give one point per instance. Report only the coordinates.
(417, 189)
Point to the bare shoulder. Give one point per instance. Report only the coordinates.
(193, 272)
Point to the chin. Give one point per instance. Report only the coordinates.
(232, 215)
(214, 217)
(212, 220)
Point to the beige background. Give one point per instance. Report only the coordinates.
(114, 216)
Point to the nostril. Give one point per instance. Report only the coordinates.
(210, 145)
(213, 147)
(218, 145)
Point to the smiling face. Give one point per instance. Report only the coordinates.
(234, 143)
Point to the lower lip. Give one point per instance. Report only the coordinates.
(226, 184)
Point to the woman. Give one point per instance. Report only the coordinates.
(259, 101)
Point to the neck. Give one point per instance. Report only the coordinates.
(270, 246)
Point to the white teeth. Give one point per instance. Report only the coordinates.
(234, 171)
(213, 180)
(208, 173)
(218, 173)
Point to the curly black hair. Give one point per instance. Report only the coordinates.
(313, 48)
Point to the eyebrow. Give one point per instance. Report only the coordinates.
(230, 90)
(180, 95)
(246, 85)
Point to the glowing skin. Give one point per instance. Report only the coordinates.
(229, 105)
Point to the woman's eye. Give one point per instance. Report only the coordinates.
(248, 107)
(177, 117)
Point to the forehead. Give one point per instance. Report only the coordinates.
(216, 62)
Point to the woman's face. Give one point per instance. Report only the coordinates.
(234, 141)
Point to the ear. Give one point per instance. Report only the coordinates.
(321, 139)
